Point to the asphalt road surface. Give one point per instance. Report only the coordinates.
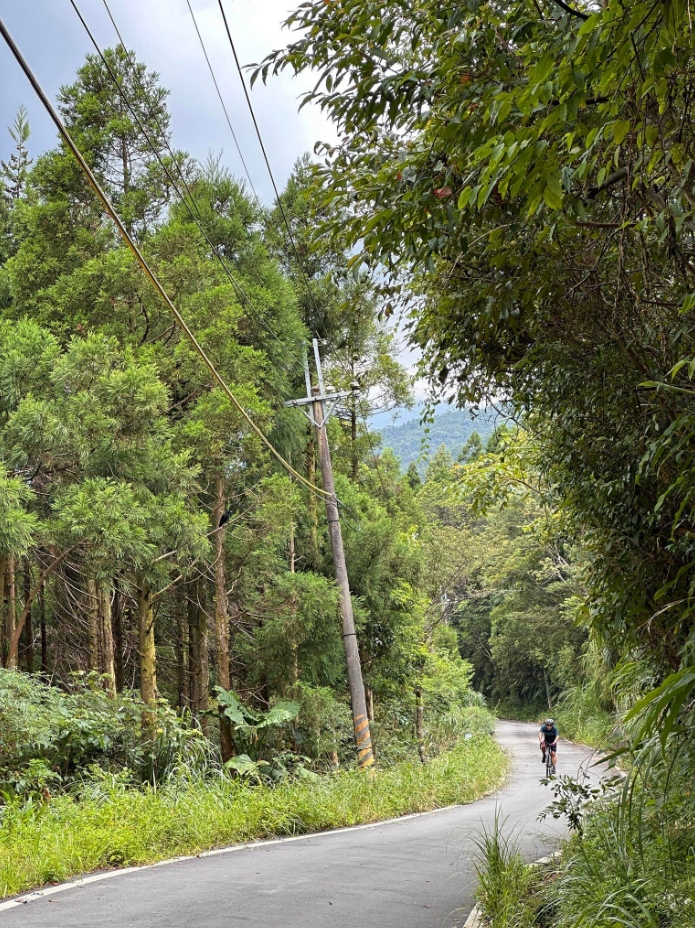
(415, 872)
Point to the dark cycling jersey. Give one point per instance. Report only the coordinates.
(550, 734)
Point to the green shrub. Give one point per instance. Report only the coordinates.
(633, 865)
(630, 862)
(49, 737)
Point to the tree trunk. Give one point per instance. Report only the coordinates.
(93, 662)
(11, 616)
(369, 697)
(546, 681)
(106, 636)
(29, 623)
(44, 636)
(148, 652)
(118, 639)
(419, 725)
(4, 643)
(182, 675)
(222, 619)
(199, 670)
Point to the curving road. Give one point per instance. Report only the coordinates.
(415, 872)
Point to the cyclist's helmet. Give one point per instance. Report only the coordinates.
(549, 722)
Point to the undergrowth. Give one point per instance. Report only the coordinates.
(109, 822)
(629, 863)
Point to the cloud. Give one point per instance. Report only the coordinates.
(162, 34)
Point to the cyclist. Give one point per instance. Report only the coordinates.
(548, 739)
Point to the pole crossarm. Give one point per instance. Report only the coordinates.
(322, 399)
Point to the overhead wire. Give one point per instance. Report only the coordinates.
(221, 98)
(265, 157)
(142, 261)
(197, 219)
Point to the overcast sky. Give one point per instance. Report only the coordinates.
(162, 34)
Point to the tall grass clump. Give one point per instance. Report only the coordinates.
(107, 821)
(629, 863)
(505, 880)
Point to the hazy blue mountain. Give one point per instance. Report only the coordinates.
(452, 428)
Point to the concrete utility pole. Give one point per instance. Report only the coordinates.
(317, 400)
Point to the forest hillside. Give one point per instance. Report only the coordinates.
(415, 441)
(179, 653)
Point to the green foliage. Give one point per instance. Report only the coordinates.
(250, 727)
(632, 865)
(146, 530)
(17, 525)
(517, 604)
(51, 738)
(522, 174)
(14, 172)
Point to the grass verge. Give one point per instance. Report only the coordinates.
(112, 824)
(629, 864)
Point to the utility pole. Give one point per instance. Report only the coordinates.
(318, 407)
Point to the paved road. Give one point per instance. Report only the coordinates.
(412, 873)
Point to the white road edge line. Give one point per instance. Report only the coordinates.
(27, 898)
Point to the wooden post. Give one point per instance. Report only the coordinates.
(363, 740)
(313, 546)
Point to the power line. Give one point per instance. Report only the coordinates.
(219, 94)
(265, 157)
(110, 210)
(244, 299)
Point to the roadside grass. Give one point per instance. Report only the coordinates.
(111, 824)
(505, 887)
(631, 865)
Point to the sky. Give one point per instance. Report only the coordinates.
(162, 34)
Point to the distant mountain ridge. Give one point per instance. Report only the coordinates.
(452, 429)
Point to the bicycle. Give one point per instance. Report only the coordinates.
(549, 766)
